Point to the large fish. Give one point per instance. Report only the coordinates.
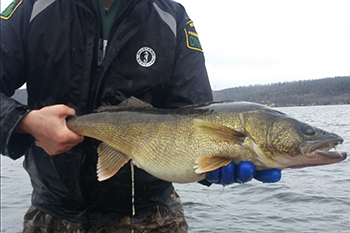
(181, 145)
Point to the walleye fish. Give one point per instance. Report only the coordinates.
(181, 145)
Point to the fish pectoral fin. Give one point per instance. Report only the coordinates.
(110, 161)
(208, 164)
(220, 132)
(131, 103)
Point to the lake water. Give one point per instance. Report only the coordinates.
(314, 199)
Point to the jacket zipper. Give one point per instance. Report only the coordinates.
(102, 69)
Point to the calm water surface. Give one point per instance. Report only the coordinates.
(314, 199)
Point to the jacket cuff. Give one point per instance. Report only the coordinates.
(17, 144)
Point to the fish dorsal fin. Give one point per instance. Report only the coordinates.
(220, 132)
(110, 161)
(128, 104)
(208, 164)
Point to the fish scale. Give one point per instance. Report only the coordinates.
(181, 145)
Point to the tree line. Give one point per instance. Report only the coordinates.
(299, 93)
(309, 92)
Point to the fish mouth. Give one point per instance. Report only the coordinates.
(324, 145)
(321, 152)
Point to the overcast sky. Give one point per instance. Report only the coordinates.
(267, 41)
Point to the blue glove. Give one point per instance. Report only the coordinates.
(241, 173)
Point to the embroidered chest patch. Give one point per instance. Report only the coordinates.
(146, 57)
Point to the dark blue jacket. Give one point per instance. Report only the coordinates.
(153, 54)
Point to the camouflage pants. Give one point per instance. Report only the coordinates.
(159, 219)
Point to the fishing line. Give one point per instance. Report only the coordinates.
(222, 190)
(217, 197)
(132, 191)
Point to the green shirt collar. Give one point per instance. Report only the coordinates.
(108, 17)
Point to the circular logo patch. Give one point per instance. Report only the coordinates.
(145, 56)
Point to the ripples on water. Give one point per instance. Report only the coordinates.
(314, 199)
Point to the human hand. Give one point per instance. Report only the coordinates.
(242, 173)
(48, 126)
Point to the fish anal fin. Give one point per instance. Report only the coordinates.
(220, 132)
(208, 164)
(131, 103)
(110, 161)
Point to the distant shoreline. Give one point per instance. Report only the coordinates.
(327, 91)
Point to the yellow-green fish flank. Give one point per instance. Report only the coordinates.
(181, 145)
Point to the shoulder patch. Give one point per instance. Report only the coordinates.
(192, 39)
(8, 12)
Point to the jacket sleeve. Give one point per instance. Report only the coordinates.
(189, 83)
(14, 21)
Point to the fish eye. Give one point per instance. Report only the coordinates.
(308, 130)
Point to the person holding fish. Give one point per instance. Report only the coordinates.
(75, 56)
